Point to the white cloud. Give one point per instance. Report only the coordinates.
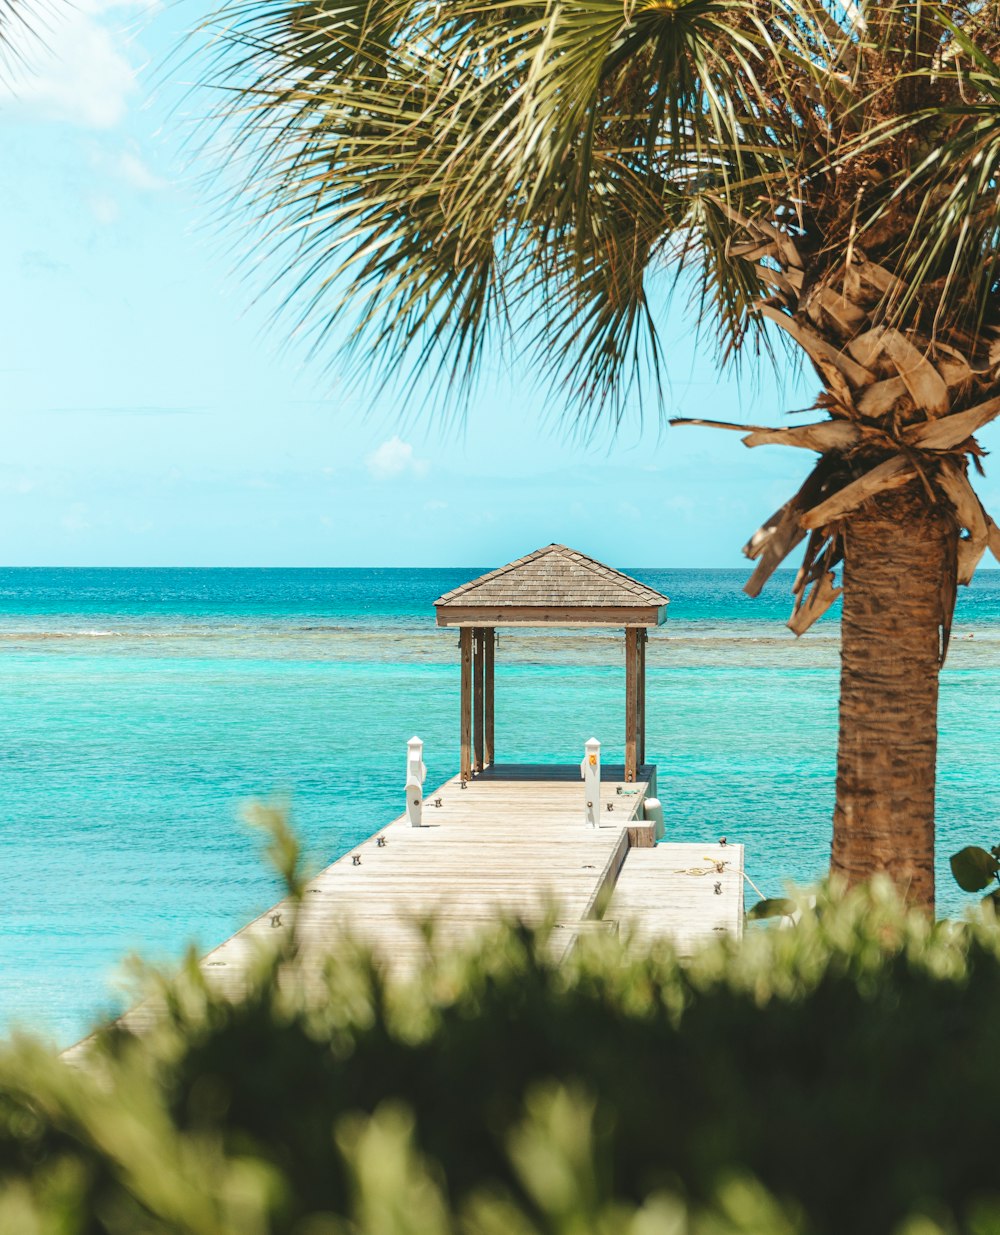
(78, 69)
(124, 165)
(395, 458)
(75, 519)
(135, 172)
(19, 485)
(104, 208)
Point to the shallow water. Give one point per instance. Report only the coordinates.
(142, 708)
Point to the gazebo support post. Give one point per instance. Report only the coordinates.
(488, 692)
(641, 697)
(631, 701)
(465, 645)
(479, 664)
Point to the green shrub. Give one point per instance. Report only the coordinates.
(840, 1076)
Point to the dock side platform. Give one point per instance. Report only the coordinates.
(685, 893)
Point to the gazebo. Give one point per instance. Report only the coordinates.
(554, 586)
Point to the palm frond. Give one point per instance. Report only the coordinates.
(431, 175)
(22, 32)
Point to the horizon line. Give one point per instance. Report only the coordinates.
(313, 566)
(983, 567)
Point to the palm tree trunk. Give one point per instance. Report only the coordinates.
(899, 570)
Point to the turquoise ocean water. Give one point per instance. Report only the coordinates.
(141, 708)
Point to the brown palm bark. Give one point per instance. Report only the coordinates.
(899, 569)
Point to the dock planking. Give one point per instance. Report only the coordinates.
(687, 894)
(512, 843)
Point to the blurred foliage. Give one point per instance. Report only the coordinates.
(834, 1076)
(772, 907)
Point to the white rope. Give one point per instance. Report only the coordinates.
(754, 886)
(716, 868)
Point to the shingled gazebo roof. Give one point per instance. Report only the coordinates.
(554, 586)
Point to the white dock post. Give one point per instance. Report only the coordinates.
(590, 770)
(652, 809)
(416, 774)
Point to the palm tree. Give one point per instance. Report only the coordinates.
(438, 174)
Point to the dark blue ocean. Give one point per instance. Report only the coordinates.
(141, 709)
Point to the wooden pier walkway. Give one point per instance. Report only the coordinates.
(512, 842)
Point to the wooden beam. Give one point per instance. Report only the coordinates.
(631, 700)
(488, 692)
(465, 644)
(479, 661)
(540, 615)
(641, 699)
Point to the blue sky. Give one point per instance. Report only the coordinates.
(153, 415)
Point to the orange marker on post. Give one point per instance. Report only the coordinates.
(590, 770)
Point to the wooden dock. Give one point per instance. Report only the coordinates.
(513, 841)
